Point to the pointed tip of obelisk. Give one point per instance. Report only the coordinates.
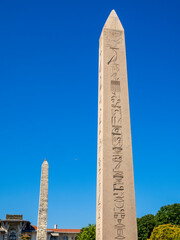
(113, 13)
(113, 22)
(45, 161)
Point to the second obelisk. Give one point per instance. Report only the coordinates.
(116, 211)
(43, 203)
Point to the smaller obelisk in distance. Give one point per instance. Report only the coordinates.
(43, 203)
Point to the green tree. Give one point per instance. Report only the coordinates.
(87, 233)
(168, 214)
(166, 232)
(145, 226)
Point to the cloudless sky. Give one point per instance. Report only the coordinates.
(48, 104)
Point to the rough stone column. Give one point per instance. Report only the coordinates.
(116, 211)
(43, 203)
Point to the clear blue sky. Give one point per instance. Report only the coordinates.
(48, 104)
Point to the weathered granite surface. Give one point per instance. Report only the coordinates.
(116, 211)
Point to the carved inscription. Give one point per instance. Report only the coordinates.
(113, 40)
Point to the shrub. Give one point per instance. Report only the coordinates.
(166, 231)
(88, 233)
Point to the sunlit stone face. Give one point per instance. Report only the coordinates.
(116, 213)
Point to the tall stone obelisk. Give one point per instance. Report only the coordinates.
(116, 211)
(43, 203)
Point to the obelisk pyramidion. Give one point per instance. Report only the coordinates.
(43, 203)
(116, 211)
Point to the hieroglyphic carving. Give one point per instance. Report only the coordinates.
(116, 211)
(113, 40)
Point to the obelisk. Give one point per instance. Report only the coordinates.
(43, 203)
(116, 211)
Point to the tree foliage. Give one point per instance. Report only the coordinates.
(166, 231)
(25, 237)
(145, 226)
(168, 214)
(88, 233)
